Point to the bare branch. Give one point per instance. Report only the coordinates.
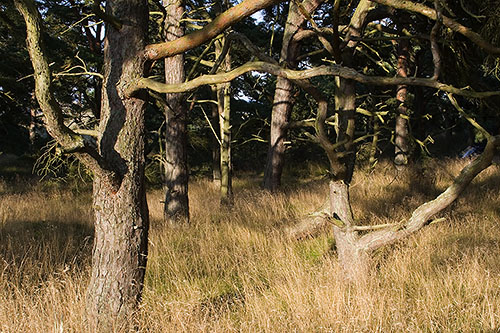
(332, 70)
(450, 23)
(473, 122)
(219, 24)
(424, 212)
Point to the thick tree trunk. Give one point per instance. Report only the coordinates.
(121, 214)
(282, 108)
(120, 252)
(354, 261)
(345, 106)
(282, 104)
(402, 118)
(176, 166)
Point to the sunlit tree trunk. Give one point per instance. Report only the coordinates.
(374, 144)
(282, 105)
(401, 133)
(121, 214)
(176, 165)
(32, 125)
(119, 199)
(224, 108)
(354, 262)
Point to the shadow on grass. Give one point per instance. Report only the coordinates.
(31, 252)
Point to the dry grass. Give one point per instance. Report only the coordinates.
(234, 271)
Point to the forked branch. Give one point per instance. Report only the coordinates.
(70, 142)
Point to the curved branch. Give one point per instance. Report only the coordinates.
(42, 74)
(211, 30)
(424, 212)
(450, 23)
(332, 70)
(71, 142)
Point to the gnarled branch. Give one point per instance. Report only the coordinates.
(424, 212)
(70, 141)
(332, 70)
(450, 23)
(219, 24)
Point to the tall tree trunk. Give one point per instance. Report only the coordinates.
(120, 251)
(282, 103)
(32, 126)
(345, 106)
(121, 214)
(216, 174)
(374, 145)
(176, 166)
(354, 262)
(224, 106)
(401, 140)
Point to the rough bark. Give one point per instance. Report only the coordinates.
(282, 108)
(345, 107)
(176, 207)
(354, 260)
(224, 108)
(283, 97)
(401, 139)
(121, 214)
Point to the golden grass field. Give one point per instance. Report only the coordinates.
(235, 271)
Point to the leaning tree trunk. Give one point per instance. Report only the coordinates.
(121, 213)
(401, 140)
(283, 101)
(176, 166)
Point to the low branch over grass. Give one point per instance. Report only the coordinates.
(332, 70)
(424, 212)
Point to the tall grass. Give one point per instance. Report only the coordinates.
(234, 270)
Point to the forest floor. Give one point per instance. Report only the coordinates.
(234, 270)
